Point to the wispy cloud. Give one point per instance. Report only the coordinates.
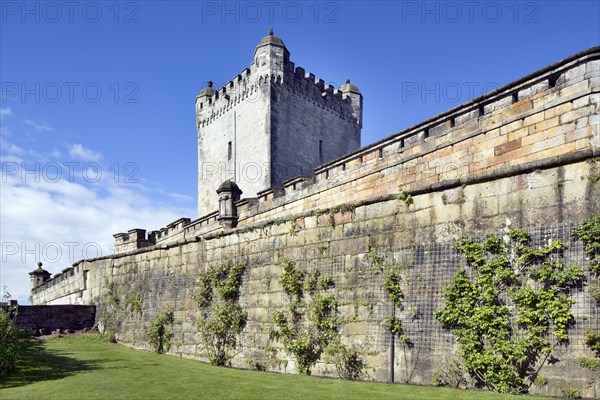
(56, 213)
(5, 112)
(10, 148)
(179, 196)
(38, 128)
(83, 153)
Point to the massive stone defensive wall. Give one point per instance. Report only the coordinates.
(524, 156)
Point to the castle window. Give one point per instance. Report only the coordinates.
(320, 151)
(229, 151)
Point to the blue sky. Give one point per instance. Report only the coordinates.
(97, 98)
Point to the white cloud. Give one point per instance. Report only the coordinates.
(5, 112)
(83, 153)
(55, 153)
(10, 148)
(62, 221)
(37, 128)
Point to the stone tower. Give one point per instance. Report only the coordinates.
(271, 123)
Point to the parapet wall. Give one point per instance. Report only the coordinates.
(521, 157)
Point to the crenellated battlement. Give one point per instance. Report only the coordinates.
(439, 152)
(250, 87)
(312, 89)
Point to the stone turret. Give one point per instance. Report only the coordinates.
(38, 276)
(228, 193)
(271, 56)
(350, 91)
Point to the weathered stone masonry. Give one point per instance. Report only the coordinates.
(520, 156)
(50, 318)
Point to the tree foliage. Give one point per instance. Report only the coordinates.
(10, 340)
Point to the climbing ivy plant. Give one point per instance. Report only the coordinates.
(112, 313)
(310, 322)
(223, 319)
(160, 331)
(502, 305)
(385, 264)
(589, 233)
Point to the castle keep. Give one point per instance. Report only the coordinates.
(524, 156)
(271, 123)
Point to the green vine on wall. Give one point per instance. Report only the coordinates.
(589, 233)
(135, 301)
(161, 331)
(392, 280)
(502, 305)
(112, 313)
(310, 323)
(385, 264)
(223, 319)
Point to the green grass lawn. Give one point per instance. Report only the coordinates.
(83, 367)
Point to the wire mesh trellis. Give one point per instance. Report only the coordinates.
(431, 268)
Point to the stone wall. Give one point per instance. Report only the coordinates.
(50, 318)
(524, 156)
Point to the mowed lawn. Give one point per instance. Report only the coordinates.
(83, 367)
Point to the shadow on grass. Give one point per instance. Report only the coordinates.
(37, 364)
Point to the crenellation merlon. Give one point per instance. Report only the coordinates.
(133, 239)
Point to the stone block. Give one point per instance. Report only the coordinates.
(577, 88)
(518, 134)
(549, 121)
(579, 134)
(577, 113)
(550, 142)
(506, 147)
(545, 99)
